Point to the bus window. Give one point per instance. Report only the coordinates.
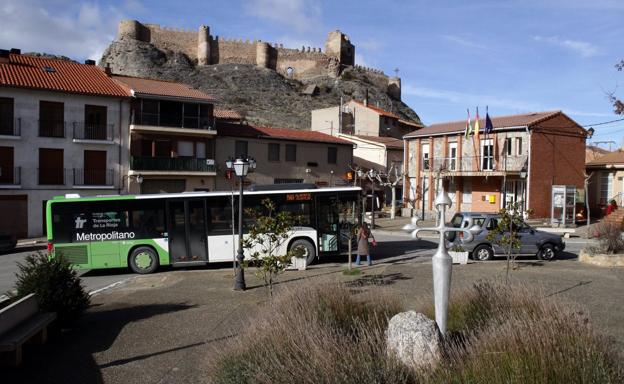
(219, 216)
(300, 212)
(148, 221)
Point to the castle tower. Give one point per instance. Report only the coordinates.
(203, 45)
(338, 45)
(263, 52)
(132, 29)
(394, 87)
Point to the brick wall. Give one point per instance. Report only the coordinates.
(482, 188)
(557, 158)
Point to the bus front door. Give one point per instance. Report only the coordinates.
(327, 220)
(187, 232)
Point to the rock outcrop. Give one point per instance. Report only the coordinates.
(263, 96)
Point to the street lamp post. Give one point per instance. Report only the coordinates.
(372, 174)
(240, 167)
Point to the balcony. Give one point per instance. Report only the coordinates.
(93, 177)
(52, 128)
(172, 165)
(51, 176)
(476, 165)
(174, 124)
(10, 128)
(84, 132)
(10, 177)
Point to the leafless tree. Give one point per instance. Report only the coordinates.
(391, 178)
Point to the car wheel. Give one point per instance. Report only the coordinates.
(308, 249)
(483, 253)
(547, 252)
(143, 260)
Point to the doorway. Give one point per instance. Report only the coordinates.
(187, 231)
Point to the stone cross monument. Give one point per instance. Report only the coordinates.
(442, 262)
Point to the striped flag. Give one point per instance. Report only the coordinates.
(476, 126)
(468, 131)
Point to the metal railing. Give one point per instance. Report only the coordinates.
(10, 127)
(144, 163)
(618, 197)
(51, 128)
(85, 131)
(172, 121)
(476, 164)
(10, 176)
(84, 177)
(51, 176)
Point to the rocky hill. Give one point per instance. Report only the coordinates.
(262, 95)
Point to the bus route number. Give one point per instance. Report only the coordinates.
(298, 196)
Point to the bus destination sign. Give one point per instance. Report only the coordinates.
(299, 197)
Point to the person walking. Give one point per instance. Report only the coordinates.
(363, 235)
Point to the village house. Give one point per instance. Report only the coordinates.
(63, 129)
(283, 155)
(606, 181)
(518, 162)
(172, 131)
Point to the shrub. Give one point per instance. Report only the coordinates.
(321, 334)
(56, 285)
(609, 238)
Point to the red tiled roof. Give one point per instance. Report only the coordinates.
(522, 120)
(380, 111)
(593, 152)
(151, 87)
(62, 75)
(616, 157)
(243, 130)
(389, 142)
(226, 114)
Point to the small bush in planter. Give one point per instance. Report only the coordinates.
(56, 285)
(457, 248)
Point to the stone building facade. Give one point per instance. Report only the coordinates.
(304, 63)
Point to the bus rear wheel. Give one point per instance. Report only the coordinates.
(308, 250)
(143, 260)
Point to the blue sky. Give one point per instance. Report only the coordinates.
(514, 56)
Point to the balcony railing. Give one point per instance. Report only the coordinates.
(51, 176)
(476, 164)
(172, 121)
(10, 127)
(171, 164)
(86, 177)
(51, 128)
(10, 176)
(85, 131)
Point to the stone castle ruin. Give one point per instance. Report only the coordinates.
(300, 64)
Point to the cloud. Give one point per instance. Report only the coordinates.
(302, 15)
(360, 60)
(464, 42)
(79, 30)
(582, 48)
(371, 45)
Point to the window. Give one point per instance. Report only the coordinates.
(425, 157)
(51, 119)
(492, 224)
(94, 172)
(240, 149)
(332, 155)
(291, 152)
(6, 165)
(149, 112)
(191, 115)
(200, 147)
(163, 148)
(299, 211)
(170, 114)
(519, 146)
(6, 116)
(287, 181)
(274, 152)
(51, 171)
(94, 123)
(487, 155)
(507, 148)
(606, 187)
(185, 148)
(452, 152)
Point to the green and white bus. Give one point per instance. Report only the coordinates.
(143, 232)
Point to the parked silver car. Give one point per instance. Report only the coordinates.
(544, 245)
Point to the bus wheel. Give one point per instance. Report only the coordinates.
(143, 260)
(308, 249)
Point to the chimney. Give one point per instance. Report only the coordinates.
(107, 69)
(366, 98)
(16, 51)
(4, 56)
(89, 62)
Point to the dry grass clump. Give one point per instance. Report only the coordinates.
(320, 334)
(497, 334)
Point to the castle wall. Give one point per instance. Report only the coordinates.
(232, 51)
(181, 40)
(305, 64)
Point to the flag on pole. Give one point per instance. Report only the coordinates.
(468, 131)
(489, 127)
(476, 126)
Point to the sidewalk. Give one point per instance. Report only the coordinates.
(32, 241)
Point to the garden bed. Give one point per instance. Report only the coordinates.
(602, 259)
